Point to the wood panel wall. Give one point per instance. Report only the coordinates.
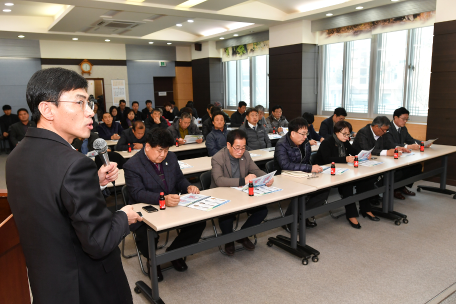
(442, 103)
(183, 85)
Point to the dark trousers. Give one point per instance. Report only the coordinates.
(188, 235)
(407, 172)
(363, 185)
(257, 215)
(314, 200)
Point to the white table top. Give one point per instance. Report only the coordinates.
(111, 142)
(178, 216)
(429, 153)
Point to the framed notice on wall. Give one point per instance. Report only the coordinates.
(118, 91)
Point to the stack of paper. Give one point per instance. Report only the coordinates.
(253, 155)
(201, 202)
(429, 141)
(274, 136)
(183, 165)
(298, 174)
(191, 139)
(258, 182)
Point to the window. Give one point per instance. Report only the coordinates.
(247, 80)
(376, 76)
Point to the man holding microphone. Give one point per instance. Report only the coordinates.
(70, 239)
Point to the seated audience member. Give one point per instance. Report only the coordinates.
(135, 136)
(135, 108)
(276, 119)
(337, 149)
(147, 111)
(109, 129)
(327, 125)
(292, 153)
(84, 145)
(113, 112)
(207, 124)
(182, 127)
(232, 166)
(398, 134)
(156, 121)
(257, 136)
(168, 113)
(216, 139)
(373, 136)
(219, 104)
(128, 122)
(237, 118)
(7, 120)
(208, 114)
(18, 129)
(146, 177)
(161, 115)
(313, 136)
(175, 110)
(190, 105)
(262, 120)
(122, 110)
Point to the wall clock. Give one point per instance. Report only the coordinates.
(86, 67)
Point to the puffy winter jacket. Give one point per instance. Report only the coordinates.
(288, 156)
(216, 140)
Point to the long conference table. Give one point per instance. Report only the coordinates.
(292, 188)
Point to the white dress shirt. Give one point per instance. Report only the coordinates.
(383, 153)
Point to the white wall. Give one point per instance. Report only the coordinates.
(183, 53)
(445, 11)
(291, 33)
(82, 50)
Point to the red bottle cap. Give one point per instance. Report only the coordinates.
(161, 193)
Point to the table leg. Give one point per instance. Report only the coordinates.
(141, 287)
(443, 177)
(388, 200)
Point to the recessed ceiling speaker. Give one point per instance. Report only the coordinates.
(198, 46)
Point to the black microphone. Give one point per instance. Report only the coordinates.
(101, 147)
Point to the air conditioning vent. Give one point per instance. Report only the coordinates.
(121, 25)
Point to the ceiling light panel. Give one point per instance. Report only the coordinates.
(190, 3)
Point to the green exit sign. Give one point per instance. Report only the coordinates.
(162, 63)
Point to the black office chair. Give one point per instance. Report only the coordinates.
(205, 179)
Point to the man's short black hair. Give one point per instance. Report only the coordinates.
(297, 123)
(217, 113)
(122, 101)
(276, 107)
(134, 103)
(235, 134)
(186, 110)
(155, 110)
(159, 137)
(138, 125)
(340, 125)
(209, 106)
(242, 104)
(250, 110)
(215, 109)
(189, 104)
(148, 101)
(6, 107)
(340, 112)
(49, 85)
(401, 111)
(22, 109)
(309, 117)
(172, 102)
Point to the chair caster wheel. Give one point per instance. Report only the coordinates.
(314, 259)
(405, 221)
(418, 189)
(137, 290)
(397, 222)
(269, 244)
(305, 261)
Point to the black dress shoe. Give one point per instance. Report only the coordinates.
(247, 244)
(159, 272)
(310, 224)
(229, 249)
(179, 265)
(372, 218)
(356, 226)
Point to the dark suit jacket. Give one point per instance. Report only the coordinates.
(77, 143)
(150, 123)
(145, 113)
(405, 139)
(207, 127)
(70, 239)
(106, 133)
(143, 183)
(17, 133)
(128, 137)
(365, 140)
(237, 119)
(326, 127)
(328, 152)
(7, 120)
(123, 115)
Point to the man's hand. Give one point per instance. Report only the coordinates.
(350, 159)
(370, 156)
(322, 139)
(193, 189)
(317, 169)
(108, 174)
(181, 141)
(402, 149)
(115, 136)
(249, 178)
(171, 200)
(137, 146)
(414, 147)
(133, 217)
(280, 129)
(198, 141)
(312, 142)
(5, 134)
(390, 152)
(157, 120)
(270, 182)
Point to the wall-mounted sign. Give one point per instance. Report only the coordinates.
(161, 93)
(162, 63)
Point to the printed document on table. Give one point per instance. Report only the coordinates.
(364, 154)
(339, 171)
(254, 155)
(429, 141)
(186, 200)
(274, 136)
(407, 154)
(271, 149)
(369, 163)
(183, 165)
(298, 174)
(191, 139)
(262, 190)
(257, 182)
(208, 204)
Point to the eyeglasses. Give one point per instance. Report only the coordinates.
(303, 134)
(239, 148)
(88, 103)
(345, 134)
(384, 131)
(403, 119)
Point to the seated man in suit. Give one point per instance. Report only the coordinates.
(151, 171)
(327, 125)
(18, 129)
(257, 136)
(156, 120)
(277, 120)
(313, 136)
(135, 108)
(183, 127)
(122, 110)
(7, 120)
(292, 153)
(399, 135)
(237, 118)
(135, 136)
(84, 145)
(374, 136)
(109, 129)
(147, 111)
(233, 167)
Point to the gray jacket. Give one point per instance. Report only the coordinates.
(281, 123)
(221, 169)
(174, 129)
(256, 139)
(264, 122)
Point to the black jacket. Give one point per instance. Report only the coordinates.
(150, 123)
(145, 113)
(106, 133)
(77, 143)
(128, 137)
(288, 156)
(328, 152)
(168, 115)
(399, 141)
(326, 127)
(17, 132)
(139, 116)
(365, 140)
(237, 119)
(7, 120)
(123, 115)
(207, 127)
(69, 238)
